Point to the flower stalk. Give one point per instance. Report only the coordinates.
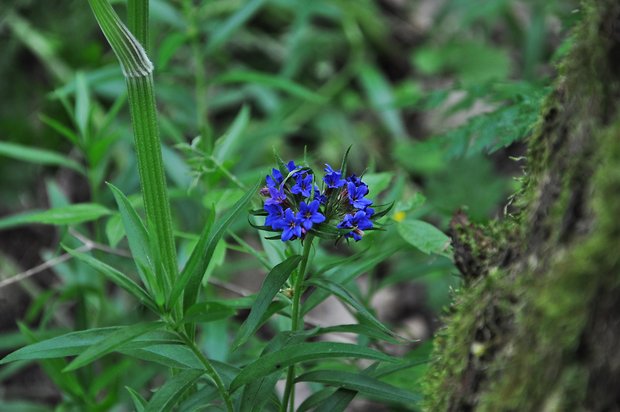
(297, 322)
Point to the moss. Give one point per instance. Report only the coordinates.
(533, 333)
(468, 342)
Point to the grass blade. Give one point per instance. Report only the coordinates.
(302, 352)
(269, 289)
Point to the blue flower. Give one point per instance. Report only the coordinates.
(356, 195)
(275, 216)
(278, 197)
(356, 181)
(333, 178)
(274, 179)
(358, 223)
(291, 166)
(309, 214)
(303, 185)
(319, 196)
(291, 226)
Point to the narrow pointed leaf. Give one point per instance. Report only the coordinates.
(69, 344)
(344, 295)
(66, 215)
(191, 276)
(117, 277)
(168, 395)
(259, 391)
(328, 400)
(38, 156)
(303, 352)
(269, 289)
(138, 401)
(137, 237)
(109, 344)
(364, 384)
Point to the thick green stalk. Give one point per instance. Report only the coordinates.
(138, 70)
(138, 20)
(297, 321)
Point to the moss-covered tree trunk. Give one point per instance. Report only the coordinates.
(537, 325)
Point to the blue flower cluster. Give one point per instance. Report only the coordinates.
(295, 205)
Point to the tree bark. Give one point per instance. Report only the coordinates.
(536, 327)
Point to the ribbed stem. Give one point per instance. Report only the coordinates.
(297, 321)
(151, 169)
(138, 20)
(138, 70)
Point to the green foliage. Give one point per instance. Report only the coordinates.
(236, 81)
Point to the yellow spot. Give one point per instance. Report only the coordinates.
(399, 216)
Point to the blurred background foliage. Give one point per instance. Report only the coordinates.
(435, 97)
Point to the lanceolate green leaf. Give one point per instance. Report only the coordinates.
(345, 272)
(303, 352)
(269, 289)
(168, 395)
(328, 400)
(341, 293)
(110, 343)
(138, 239)
(67, 215)
(117, 277)
(257, 393)
(38, 156)
(283, 84)
(70, 344)
(191, 276)
(362, 383)
(138, 401)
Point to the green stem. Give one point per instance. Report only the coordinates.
(217, 379)
(297, 322)
(138, 20)
(138, 71)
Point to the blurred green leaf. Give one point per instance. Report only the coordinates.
(380, 95)
(68, 215)
(424, 236)
(473, 62)
(38, 156)
(265, 79)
